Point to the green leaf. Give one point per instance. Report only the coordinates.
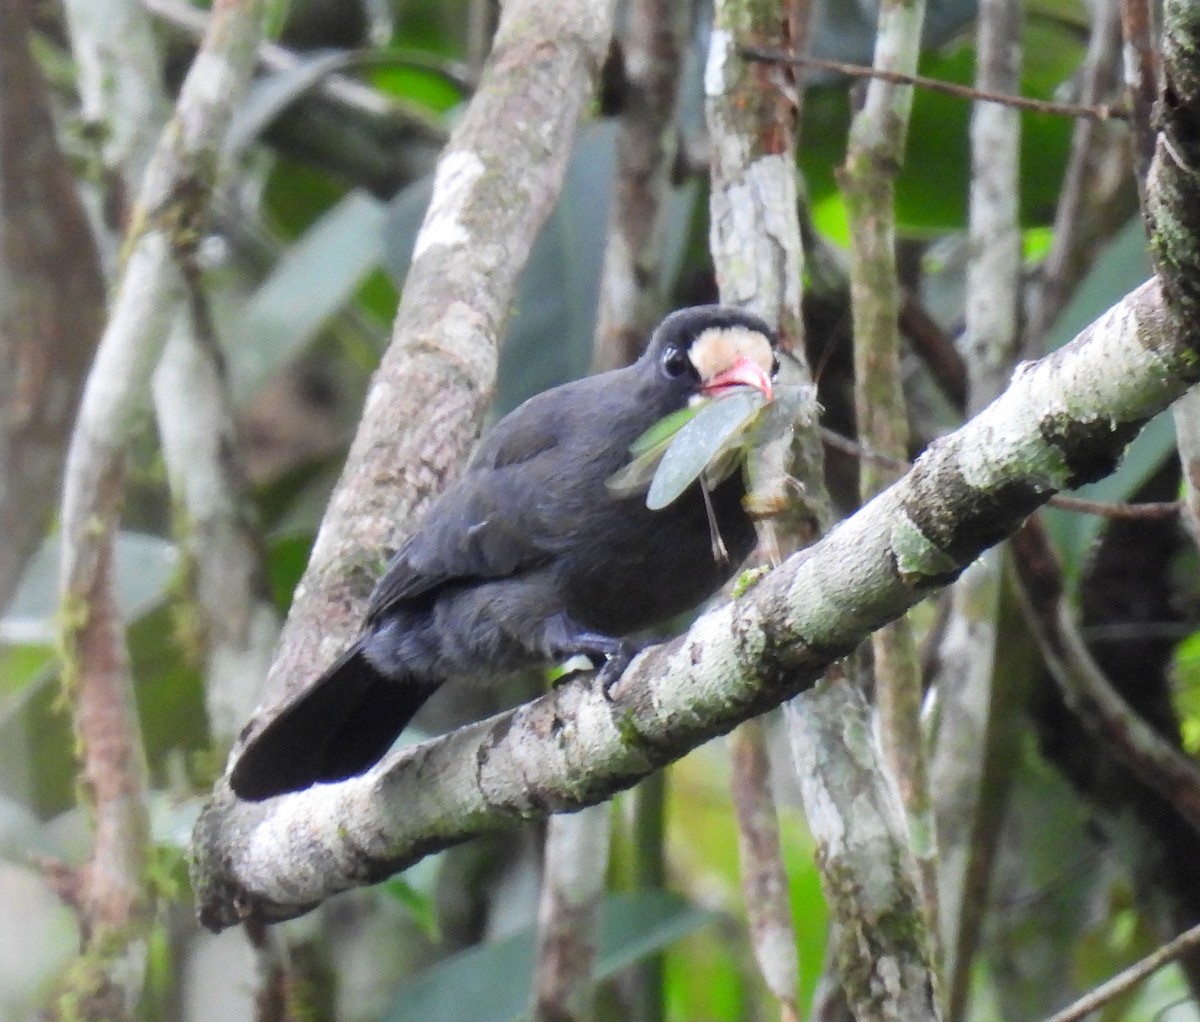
(420, 905)
(493, 982)
(271, 94)
(317, 276)
(22, 668)
(417, 85)
(22, 834)
(145, 567)
(711, 433)
(663, 430)
(647, 451)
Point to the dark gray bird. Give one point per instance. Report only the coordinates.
(529, 558)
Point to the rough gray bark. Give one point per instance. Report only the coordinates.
(573, 882)
(214, 521)
(763, 874)
(867, 867)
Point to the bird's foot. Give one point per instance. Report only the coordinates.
(565, 636)
(613, 669)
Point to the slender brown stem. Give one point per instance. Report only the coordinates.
(1100, 112)
(1106, 509)
(1128, 979)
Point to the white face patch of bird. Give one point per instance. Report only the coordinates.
(728, 357)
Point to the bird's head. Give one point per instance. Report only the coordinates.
(707, 350)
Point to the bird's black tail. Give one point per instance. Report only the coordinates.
(337, 728)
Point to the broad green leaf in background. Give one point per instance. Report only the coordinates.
(23, 667)
(36, 748)
(493, 982)
(317, 276)
(1186, 692)
(416, 84)
(711, 975)
(271, 94)
(145, 566)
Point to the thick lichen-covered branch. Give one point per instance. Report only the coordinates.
(1063, 421)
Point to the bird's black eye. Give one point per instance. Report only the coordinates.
(675, 361)
(774, 365)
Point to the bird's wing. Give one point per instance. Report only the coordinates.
(485, 524)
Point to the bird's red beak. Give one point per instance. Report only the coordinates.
(745, 372)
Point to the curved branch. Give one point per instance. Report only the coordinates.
(1063, 421)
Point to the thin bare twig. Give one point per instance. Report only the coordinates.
(1105, 509)
(1099, 112)
(1129, 978)
(1149, 510)
(932, 346)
